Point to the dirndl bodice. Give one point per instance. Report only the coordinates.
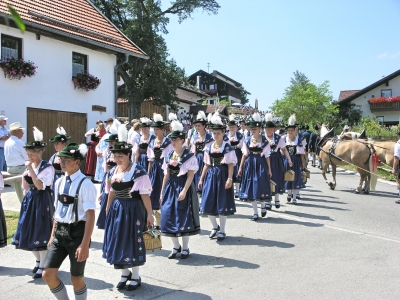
(123, 190)
(143, 148)
(173, 171)
(157, 153)
(292, 149)
(216, 159)
(255, 150)
(57, 168)
(234, 144)
(200, 147)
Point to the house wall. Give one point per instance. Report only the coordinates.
(52, 88)
(362, 101)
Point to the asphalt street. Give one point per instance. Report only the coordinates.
(332, 245)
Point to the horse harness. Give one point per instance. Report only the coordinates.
(335, 143)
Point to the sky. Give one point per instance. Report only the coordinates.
(260, 43)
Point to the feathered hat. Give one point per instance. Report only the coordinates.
(232, 120)
(158, 121)
(74, 150)
(216, 122)
(121, 145)
(291, 122)
(255, 121)
(177, 130)
(268, 121)
(61, 136)
(113, 137)
(145, 122)
(201, 118)
(38, 140)
(209, 117)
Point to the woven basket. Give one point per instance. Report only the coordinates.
(272, 185)
(289, 175)
(304, 176)
(308, 173)
(152, 239)
(157, 214)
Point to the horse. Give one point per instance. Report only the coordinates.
(343, 152)
(352, 135)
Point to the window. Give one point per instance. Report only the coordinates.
(79, 63)
(212, 101)
(11, 46)
(386, 93)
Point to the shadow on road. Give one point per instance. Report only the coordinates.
(305, 215)
(319, 206)
(322, 196)
(283, 221)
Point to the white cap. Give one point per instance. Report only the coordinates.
(15, 126)
(3, 117)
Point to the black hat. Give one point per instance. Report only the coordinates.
(109, 120)
(269, 124)
(74, 150)
(60, 138)
(177, 134)
(232, 122)
(158, 124)
(121, 146)
(112, 138)
(316, 127)
(306, 127)
(201, 118)
(35, 145)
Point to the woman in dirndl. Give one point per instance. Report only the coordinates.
(95, 135)
(140, 147)
(59, 141)
(255, 168)
(296, 149)
(277, 146)
(236, 139)
(3, 225)
(179, 202)
(108, 164)
(219, 161)
(129, 213)
(36, 215)
(200, 139)
(158, 148)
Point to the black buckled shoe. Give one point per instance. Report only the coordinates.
(277, 204)
(289, 198)
(36, 276)
(214, 232)
(172, 254)
(221, 236)
(183, 255)
(254, 217)
(122, 284)
(268, 206)
(263, 212)
(132, 287)
(34, 270)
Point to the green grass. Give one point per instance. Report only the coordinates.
(381, 174)
(12, 223)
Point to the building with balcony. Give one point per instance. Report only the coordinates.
(380, 100)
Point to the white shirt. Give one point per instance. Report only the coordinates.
(397, 149)
(3, 132)
(14, 152)
(86, 198)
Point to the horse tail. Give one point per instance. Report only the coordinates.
(373, 168)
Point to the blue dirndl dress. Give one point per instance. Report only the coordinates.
(101, 220)
(126, 221)
(179, 218)
(100, 172)
(277, 166)
(255, 183)
(216, 200)
(157, 173)
(297, 165)
(200, 156)
(143, 159)
(57, 169)
(36, 216)
(236, 178)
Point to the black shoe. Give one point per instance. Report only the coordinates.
(268, 207)
(398, 201)
(221, 236)
(184, 256)
(122, 284)
(131, 287)
(173, 255)
(37, 275)
(35, 268)
(214, 232)
(298, 196)
(236, 196)
(277, 204)
(263, 212)
(289, 198)
(7, 185)
(254, 217)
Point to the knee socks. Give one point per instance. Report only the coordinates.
(175, 241)
(135, 274)
(255, 209)
(295, 192)
(185, 242)
(213, 220)
(37, 256)
(124, 272)
(60, 292)
(42, 255)
(276, 198)
(222, 220)
(237, 184)
(81, 294)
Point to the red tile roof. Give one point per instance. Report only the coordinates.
(76, 17)
(185, 98)
(344, 94)
(211, 108)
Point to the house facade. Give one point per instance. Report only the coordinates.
(380, 100)
(63, 38)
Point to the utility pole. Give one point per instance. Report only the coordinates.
(208, 67)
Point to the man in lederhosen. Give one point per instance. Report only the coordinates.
(75, 204)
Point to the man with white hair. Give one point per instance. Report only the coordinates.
(4, 136)
(16, 155)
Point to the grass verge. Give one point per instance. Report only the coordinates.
(381, 174)
(12, 223)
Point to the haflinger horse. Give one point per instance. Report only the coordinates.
(337, 152)
(385, 151)
(351, 135)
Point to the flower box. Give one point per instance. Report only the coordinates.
(86, 81)
(14, 68)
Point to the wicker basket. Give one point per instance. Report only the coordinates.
(304, 176)
(157, 214)
(272, 185)
(308, 173)
(152, 239)
(289, 175)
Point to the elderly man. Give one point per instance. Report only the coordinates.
(4, 135)
(16, 155)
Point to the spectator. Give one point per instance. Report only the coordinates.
(4, 135)
(16, 156)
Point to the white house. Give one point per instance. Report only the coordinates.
(376, 100)
(62, 38)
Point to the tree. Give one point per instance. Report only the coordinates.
(243, 96)
(143, 21)
(312, 104)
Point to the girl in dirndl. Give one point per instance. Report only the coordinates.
(255, 168)
(3, 225)
(129, 213)
(219, 161)
(140, 148)
(236, 139)
(59, 141)
(179, 202)
(36, 215)
(277, 145)
(158, 148)
(296, 149)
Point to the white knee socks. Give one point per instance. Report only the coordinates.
(222, 220)
(42, 255)
(255, 209)
(213, 220)
(185, 242)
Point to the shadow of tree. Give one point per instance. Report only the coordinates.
(305, 215)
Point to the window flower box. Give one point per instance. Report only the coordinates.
(17, 68)
(86, 81)
(384, 104)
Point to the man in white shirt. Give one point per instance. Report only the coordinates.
(75, 203)
(4, 135)
(16, 156)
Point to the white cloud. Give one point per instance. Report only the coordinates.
(388, 55)
(383, 55)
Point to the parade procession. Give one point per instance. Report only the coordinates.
(134, 180)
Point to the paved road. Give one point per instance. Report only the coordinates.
(332, 245)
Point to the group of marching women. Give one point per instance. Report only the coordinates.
(147, 174)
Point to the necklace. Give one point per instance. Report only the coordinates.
(215, 146)
(125, 168)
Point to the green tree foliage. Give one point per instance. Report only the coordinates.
(225, 102)
(312, 104)
(144, 22)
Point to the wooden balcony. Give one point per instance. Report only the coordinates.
(384, 106)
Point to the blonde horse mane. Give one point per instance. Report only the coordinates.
(324, 130)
